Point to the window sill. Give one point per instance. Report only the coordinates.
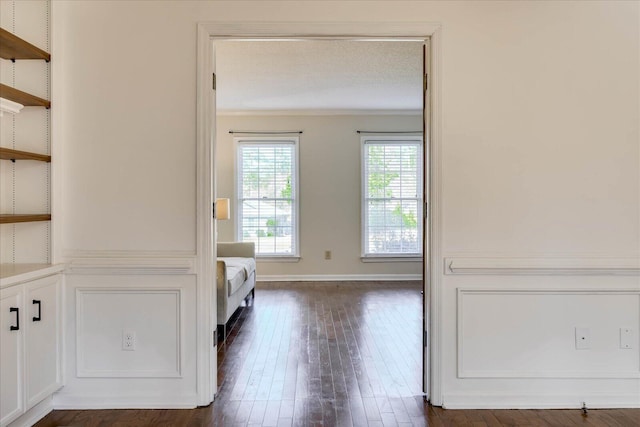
(391, 258)
(268, 258)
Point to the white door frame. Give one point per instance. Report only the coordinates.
(206, 132)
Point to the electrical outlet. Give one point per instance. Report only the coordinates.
(583, 339)
(128, 340)
(625, 338)
(327, 254)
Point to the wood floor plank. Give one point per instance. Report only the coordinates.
(244, 412)
(286, 408)
(358, 413)
(285, 422)
(299, 412)
(257, 412)
(329, 354)
(399, 410)
(388, 419)
(371, 409)
(343, 413)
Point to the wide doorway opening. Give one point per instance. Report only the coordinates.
(343, 213)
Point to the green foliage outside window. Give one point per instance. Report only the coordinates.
(408, 219)
(285, 193)
(379, 179)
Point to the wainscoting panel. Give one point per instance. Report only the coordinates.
(160, 372)
(154, 315)
(532, 333)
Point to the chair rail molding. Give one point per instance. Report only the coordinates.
(591, 265)
(130, 262)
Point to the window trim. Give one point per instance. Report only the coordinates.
(267, 140)
(395, 256)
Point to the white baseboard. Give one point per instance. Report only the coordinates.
(34, 414)
(69, 401)
(338, 277)
(539, 401)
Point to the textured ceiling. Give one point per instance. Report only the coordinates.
(319, 75)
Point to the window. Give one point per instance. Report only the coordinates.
(267, 192)
(392, 196)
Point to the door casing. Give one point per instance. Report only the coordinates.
(207, 33)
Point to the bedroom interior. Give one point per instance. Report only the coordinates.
(535, 180)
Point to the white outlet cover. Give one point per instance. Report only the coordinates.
(128, 340)
(626, 338)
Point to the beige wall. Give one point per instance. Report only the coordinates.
(540, 141)
(541, 131)
(330, 193)
(539, 106)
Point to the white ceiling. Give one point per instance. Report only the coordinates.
(312, 75)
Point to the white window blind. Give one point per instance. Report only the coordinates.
(267, 208)
(392, 197)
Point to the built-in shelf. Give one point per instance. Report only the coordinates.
(21, 97)
(13, 47)
(9, 154)
(12, 219)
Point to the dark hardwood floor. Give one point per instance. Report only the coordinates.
(329, 354)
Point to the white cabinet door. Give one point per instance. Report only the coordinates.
(42, 324)
(11, 354)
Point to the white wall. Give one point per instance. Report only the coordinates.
(330, 192)
(540, 147)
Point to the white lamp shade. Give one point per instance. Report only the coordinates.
(223, 209)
